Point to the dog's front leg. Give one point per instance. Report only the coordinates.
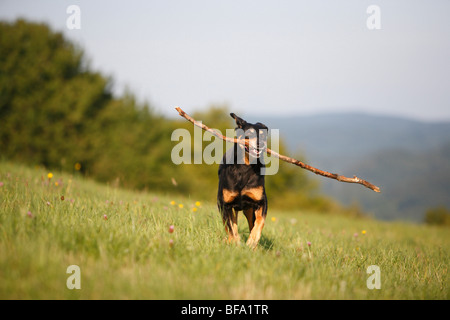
(255, 234)
(230, 217)
(250, 215)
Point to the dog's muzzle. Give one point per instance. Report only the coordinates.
(256, 151)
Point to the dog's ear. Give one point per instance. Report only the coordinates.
(240, 122)
(262, 125)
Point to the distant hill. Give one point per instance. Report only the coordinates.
(408, 159)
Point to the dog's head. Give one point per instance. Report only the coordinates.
(255, 133)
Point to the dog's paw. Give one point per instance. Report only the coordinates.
(252, 243)
(233, 240)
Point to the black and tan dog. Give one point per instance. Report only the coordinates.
(241, 182)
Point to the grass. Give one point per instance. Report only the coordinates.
(121, 241)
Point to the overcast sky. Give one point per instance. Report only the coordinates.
(271, 57)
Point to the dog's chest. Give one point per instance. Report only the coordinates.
(244, 176)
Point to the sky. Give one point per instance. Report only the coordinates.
(265, 57)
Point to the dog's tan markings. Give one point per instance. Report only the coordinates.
(255, 234)
(252, 142)
(231, 228)
(254, 193)
(246, 159)
(228, 195)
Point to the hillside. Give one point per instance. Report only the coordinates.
(408, 159)
(124, 247)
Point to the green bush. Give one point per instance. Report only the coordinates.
(438, 216)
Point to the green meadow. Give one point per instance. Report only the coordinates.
(125, 248)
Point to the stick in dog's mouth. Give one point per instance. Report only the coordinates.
(255, 152)
(296, 162)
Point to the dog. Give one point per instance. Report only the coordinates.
(241, 182)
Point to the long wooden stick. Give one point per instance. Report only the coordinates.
(326, 174)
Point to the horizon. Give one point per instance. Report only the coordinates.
(358, 114)
(344, 113)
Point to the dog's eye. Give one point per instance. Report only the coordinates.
(251, 133)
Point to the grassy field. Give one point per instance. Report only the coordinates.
(121, 242)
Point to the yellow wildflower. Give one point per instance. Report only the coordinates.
(172, 202)
(194, 209)
(50, 175)
(363, 232)
(180, 206)
(77, 166)
(197, 203)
